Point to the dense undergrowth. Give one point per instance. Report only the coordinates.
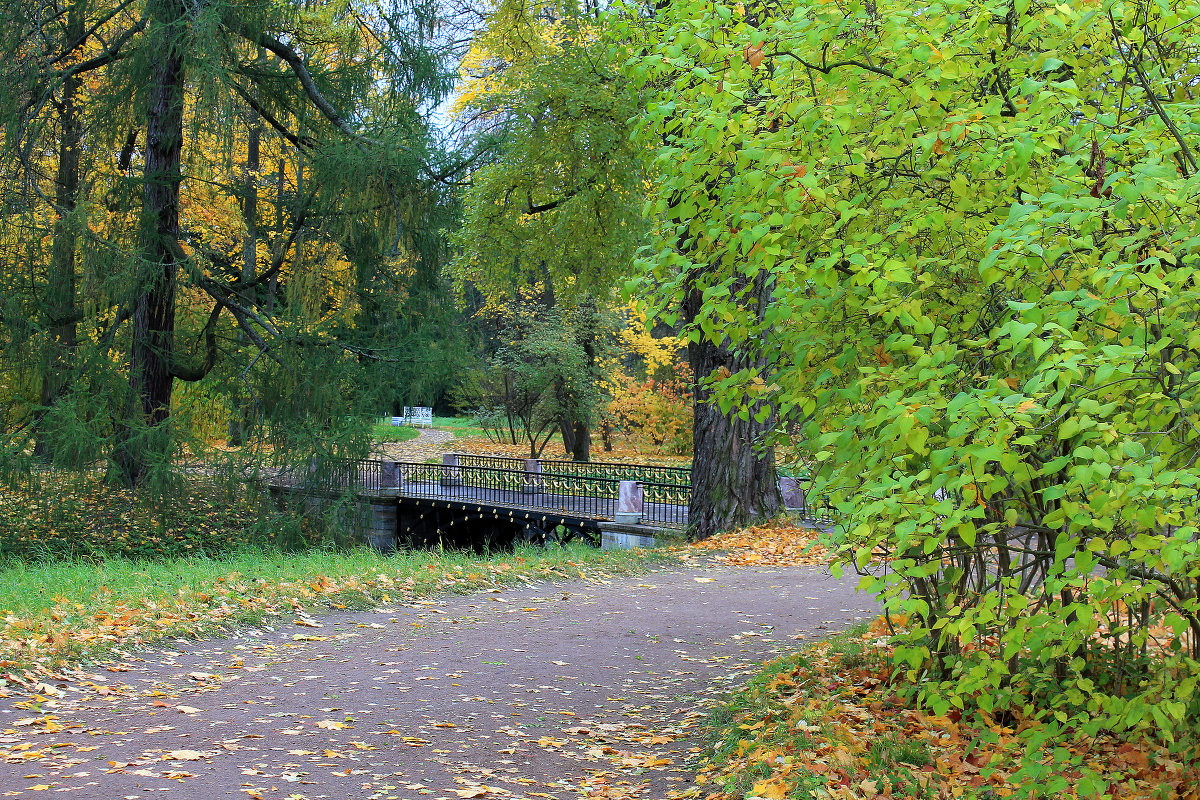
(835, 720)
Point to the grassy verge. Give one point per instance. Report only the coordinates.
(460, 426)
(386, 432)
(86, 568)
(60, 612)
(831, 721)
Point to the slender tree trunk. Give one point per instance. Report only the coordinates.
(733, 474)
(153, 330)
(582, 449)
(566, 427)
(60, 294)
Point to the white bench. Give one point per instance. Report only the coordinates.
(416, 416)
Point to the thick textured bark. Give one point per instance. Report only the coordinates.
(734, 482)
(60, 291)
(153, 330)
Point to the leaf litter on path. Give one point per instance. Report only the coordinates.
(607, 686)
(779, 544)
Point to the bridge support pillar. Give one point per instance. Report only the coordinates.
(381, 530)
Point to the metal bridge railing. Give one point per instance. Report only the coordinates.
(590, 497)
(643, 473)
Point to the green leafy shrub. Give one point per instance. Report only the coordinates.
(978, 222)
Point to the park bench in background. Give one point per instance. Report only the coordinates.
(416, 416)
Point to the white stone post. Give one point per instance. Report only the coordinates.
(629, 502)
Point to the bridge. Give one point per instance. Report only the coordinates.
(487, 501)
(480, 501)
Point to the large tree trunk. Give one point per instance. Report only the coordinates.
(734, 483)
(577, 438)
(152, 350)
(60, 290)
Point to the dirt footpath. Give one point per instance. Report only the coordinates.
(564, 690)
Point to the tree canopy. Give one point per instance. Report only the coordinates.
(237, 193)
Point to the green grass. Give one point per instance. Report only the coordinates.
(387, 432)
(460, 426)
(63, 611)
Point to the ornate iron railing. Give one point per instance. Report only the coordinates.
(503, 462)
(582, 493)
(552, 492)
(643, 473)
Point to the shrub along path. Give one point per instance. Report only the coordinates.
(551, 690)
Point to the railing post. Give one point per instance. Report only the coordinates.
(450, 474)
(390, 476)
(533, 477)
(629, 502)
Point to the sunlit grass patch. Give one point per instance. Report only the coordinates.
(387, 432)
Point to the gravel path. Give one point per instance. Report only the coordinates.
(429, 444)
(550, 691)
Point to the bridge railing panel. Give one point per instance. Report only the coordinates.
(501, 462)
(609, 470)
(528, 486)
(665, 504)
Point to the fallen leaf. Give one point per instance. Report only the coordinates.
(332, 725)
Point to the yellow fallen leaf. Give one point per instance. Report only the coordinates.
(332, 725)
(183, 755)
(770, 790)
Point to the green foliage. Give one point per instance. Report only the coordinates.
(979, 224)
(293, 281)
(539, 375)
(557, 198)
